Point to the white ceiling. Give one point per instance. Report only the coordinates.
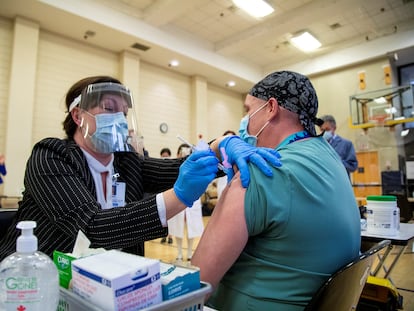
(215, 39)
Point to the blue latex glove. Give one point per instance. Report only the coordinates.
(235, 151)
(197, 171)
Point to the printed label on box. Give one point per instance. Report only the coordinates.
(63, 263)
(118, 281)
(177, 281)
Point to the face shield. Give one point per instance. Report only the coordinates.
(108, 119)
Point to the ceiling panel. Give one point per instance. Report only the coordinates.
(225, 30)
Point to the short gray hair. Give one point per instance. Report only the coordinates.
(329, 118)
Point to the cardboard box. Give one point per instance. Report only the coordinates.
(177, 280)
(116, 281)
(63, 263)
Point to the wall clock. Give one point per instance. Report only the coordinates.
(163, 127)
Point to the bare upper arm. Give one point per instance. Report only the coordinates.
(225, 235)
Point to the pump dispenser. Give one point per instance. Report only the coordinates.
(28, 278)
(26, 242)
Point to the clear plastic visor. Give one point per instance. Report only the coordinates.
(108, 98)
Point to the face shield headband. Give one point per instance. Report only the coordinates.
(103, 95)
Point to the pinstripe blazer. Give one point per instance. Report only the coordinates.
(60, 196)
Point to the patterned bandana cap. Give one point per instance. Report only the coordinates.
(293, 92)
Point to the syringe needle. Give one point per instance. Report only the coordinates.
(185, 141)
(220, 166)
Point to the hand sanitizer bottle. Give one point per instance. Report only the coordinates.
(29, 279)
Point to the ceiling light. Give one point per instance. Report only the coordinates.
(173, 63)
(255, 8)
(305, 42)
(231, 84)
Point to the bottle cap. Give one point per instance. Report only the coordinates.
(384, 198)
(26, 242)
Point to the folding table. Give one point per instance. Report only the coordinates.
(399, 242)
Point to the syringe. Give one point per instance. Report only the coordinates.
(220, 166)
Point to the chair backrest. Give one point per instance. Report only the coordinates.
(341, 292)
(6, 218)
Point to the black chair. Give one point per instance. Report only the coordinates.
(341, 292)
(6, 218)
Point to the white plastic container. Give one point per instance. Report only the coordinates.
(382, 215)
(28, 278)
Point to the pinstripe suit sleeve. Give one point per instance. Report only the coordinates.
(60, 196)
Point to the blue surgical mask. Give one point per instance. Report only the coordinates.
(111, 132)
(327, 135)
(244, 123)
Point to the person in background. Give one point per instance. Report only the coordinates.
(94, 181)
(270, 246)
(166, 154)
(189, 221)
(214, 189)
(3, 170)
(342, 146)
(209, 198)
(229, 132)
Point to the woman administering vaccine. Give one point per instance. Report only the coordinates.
(94, 180)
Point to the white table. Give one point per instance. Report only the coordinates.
(399, 242)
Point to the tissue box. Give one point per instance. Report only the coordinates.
(63, 263)
(117, 281)
(177, 281)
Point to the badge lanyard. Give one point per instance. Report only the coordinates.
(292, 138)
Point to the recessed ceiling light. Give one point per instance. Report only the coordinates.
(255, 8)
(305, 42)
(230, 83)
(173, 63)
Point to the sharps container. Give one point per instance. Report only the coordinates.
(382, 215)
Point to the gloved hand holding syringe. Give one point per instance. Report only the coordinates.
(234, 151)
(195, 173)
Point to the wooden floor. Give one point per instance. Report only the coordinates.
(402, 275)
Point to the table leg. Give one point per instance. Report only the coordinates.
(381, 262)
(397, 256)
(381, 259)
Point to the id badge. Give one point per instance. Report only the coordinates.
(118, 194)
